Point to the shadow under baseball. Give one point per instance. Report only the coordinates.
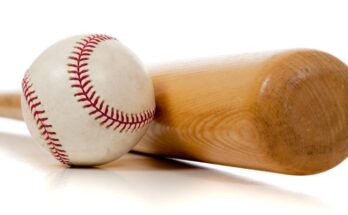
(152, 180)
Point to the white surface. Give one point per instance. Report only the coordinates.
(114, 76)
(33, 183)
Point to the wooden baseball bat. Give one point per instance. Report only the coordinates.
(283, 111)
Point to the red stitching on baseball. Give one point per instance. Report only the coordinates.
(107, 116)
(43, 126)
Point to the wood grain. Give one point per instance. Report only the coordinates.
(284, 111)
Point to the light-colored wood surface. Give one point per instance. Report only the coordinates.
(10, 105)
(284, 111)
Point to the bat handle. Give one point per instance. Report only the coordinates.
(10, 106)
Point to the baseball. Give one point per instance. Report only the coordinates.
(87, 100)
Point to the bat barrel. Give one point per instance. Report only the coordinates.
(281, 111)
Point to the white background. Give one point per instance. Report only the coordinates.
(32, 182)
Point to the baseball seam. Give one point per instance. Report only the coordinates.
(45, 129)
(79, 76)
